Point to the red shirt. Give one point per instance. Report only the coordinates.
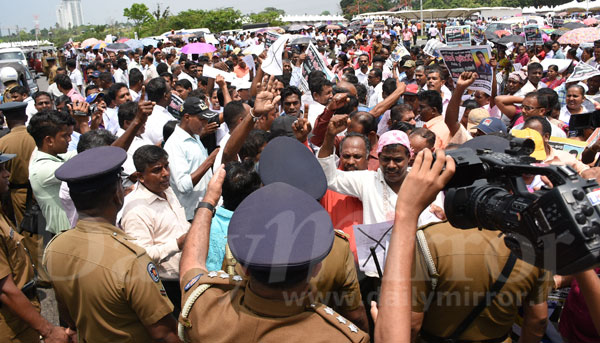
(345, 211)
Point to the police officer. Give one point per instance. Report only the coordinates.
(19, 142)
(108, 285)
(279, 234)
(465, 264)
(20, 319)
(286, 160)
(52, 68)
(9, 78)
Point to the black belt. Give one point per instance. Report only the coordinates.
(18, 185)
(429, 338)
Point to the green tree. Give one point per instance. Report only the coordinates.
(269, 15)
(138, 14)
(325, 13)
(273, 9)
(158, 14)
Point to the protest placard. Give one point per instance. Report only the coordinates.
(582, 71)
(399, 52)
(368, 236)
(473, 59)
(571, 146)
(432, 46)
(458, 35)
(478, 35)
(270, 38)
(379, 25)
(314, 61)
(533, 35)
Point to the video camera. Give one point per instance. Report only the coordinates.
(557, 229)
(584, 120)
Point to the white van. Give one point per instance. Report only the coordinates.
(13, 54)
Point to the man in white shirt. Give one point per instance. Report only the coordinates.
(153, 216)
(189, 73)
(188, 158)
(136, 82)
(362, 73)
(148, 68)
(534, 76)
(375, 94)
(158, 91)
(121, 75)
(75, 75)
(126, 114)
(118, 94)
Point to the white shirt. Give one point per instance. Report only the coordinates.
(128, 166)
(379, 200)
(150, 72)
(110, 117)
(375, 95)
(314, 111)
(53, 89)
(135, 96)
(362, 77)
(186, 154)
(30, 110)
(193, 80)
(121, 76)
(528, 87)
(76, 77)
(156, 223)
(154, 125)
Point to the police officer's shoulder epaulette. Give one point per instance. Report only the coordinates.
(127, 242)
(341, 234)
(338, 321)
(217, 278)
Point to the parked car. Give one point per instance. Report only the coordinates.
(25, 77)
(13, 54)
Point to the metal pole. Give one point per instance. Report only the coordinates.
(422, 23)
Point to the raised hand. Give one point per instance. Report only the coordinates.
(266, 100)
(338, 101)
(337, 124)
(302, 128)
(466, 79)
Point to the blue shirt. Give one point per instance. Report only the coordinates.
(218, 239)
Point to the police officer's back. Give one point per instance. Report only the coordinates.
(279, 234)
(109, 285)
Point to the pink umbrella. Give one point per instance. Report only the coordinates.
(590, 21)
(122, 40)
(582, 35)
(198, 48)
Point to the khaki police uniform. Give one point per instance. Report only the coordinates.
(6, 97)
(15, 261)
(20, 142)
(468, 263)
(52, 74)
(109, 285)
(336, 283)
(229, 311)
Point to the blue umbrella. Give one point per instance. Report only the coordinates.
(149, 41)
(135, 44)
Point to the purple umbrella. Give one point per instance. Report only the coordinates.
(198, 48)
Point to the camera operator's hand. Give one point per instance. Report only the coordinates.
(424, 181)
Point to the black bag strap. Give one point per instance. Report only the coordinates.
(29, 198)
(491, 294)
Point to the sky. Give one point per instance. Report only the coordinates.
(22, 13)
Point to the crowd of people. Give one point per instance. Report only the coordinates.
(142, 190)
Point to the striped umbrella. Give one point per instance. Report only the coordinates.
(582, 35)
(100, 45)
(89, 42)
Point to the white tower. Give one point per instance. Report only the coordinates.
(69, 13)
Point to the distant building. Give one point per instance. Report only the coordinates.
(69, 14)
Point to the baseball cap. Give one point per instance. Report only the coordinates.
(539, 153)
(92, 97)
(409, 64)
(476, 115)
(95, 74)
(491, 125)
(411, 89)
(193, 105)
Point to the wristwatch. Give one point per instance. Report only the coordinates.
(204, 204)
